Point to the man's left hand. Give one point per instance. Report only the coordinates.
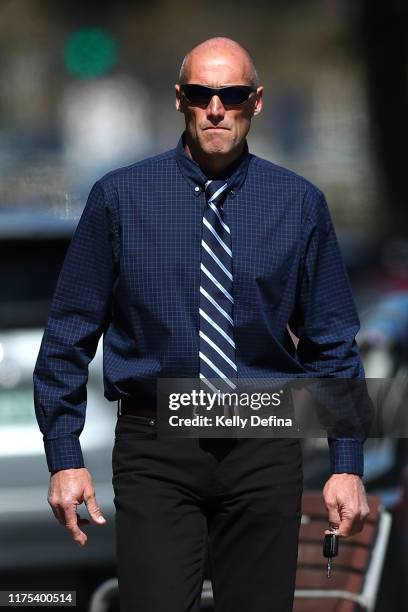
(346, 502)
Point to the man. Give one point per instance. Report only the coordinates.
(194, 263)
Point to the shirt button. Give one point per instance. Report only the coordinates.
(197, 188)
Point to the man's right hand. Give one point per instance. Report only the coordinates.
(67, 489)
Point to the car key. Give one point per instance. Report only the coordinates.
(330, 549)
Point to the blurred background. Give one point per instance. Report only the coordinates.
(89, 86)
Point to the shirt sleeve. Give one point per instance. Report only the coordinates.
(326, 320)
(78, 315)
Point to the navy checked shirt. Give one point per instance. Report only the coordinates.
(132, 273)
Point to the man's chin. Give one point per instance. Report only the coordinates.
(216, 148)
(218, 151)
(213, 142)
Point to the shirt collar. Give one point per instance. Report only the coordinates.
(235, 174)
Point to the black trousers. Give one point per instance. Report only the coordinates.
(239, 500)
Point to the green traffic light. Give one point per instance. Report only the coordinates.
(90, 53)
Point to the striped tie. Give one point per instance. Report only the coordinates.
(217, 346)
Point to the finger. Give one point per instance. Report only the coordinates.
(334, 517)
(72, 525)
(360, 518)
(94, 510)
(57, 511)
(352, 519)
(59, 515)
(347, 527)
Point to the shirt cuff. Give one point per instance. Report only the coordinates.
(346, 456)
(63, 453)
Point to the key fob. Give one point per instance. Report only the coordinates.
(330, 545)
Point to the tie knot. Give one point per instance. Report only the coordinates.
(216, 191)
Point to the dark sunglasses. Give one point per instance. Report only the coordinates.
(231, 95)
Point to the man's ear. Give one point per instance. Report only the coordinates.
(178, 97)
(258, 101)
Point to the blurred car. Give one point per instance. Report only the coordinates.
(31, 536)
(33, 243)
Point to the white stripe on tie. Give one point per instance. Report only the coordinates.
(217, 327)
(219, 351)
(217, 306)
(217, 237)
(215, 258)
(214, 367)
(218, 192)
(216, 283)
(217, 212)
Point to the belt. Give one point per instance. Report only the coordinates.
(129, 405)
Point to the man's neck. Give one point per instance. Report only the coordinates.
(213, 165)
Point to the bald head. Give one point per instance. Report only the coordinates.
(217, 51)
(216, 129)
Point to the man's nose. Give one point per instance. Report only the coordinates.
(215, 108)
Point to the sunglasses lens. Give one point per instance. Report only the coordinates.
(230, 96)
(197, 94)
(234, 95)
